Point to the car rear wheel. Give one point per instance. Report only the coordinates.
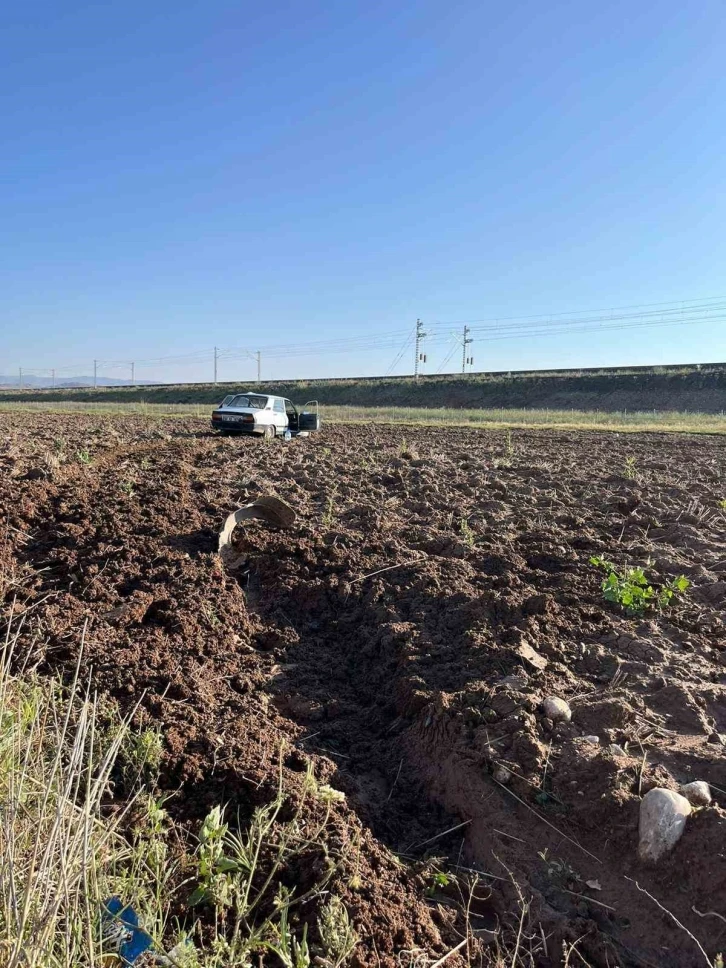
(269, 433)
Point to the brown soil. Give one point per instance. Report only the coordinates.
(408, 688)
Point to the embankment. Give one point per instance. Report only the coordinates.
(697, 388)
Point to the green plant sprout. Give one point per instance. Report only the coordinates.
(467, 534)
(632, 589)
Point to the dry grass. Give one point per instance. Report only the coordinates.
(68, 843)
(650, 421)
(499, 419)
(56, 848)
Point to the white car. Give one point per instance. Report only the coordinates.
(265, 415)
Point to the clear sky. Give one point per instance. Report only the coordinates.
(179, 175)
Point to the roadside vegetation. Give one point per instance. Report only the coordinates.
(85, 839)
(694, 387)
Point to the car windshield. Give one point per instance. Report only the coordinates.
(251, 401)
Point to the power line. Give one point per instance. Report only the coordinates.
(645, 315)
(532, 333)
(447, 357)
(701, 302)
(400, 354)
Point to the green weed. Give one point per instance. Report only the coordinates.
(439, 880)
(630, 470)
(252, 907)
(329, 514)
(210, 612)
(632, 589)
(140, 756)
(67, 843)
(467, 534)
(559, 869)
(337, 935)
(84, 456)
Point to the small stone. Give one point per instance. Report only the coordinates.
(131, 612)
(594, 740)
(526, 652)
(616, 750)
(663, 816)
(718, 738)
(556, 709)
(515, 682)
(698, 793)
(502, 775)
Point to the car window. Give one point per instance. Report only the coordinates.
(249, 400)
(289, 408)
(279, 406)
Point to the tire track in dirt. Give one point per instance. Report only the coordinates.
(140, 568)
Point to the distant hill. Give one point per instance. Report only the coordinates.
(68, 382)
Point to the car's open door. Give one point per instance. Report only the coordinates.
(309, 416)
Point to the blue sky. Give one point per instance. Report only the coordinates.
(175, 176)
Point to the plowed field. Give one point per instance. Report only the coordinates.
(400, 638)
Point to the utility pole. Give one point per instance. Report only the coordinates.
(420, 357)
(259, 367)
(52, 376)
(95, 374)
(133, 381)
(20, 377)
(216, 357)
(464, 343)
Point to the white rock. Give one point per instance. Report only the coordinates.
(595, 740)
(663, 816)
(616, 750)
(697, 793)
(502, 775)
(556, 709)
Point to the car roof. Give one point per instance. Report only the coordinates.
(252, 393)
(257, 393)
